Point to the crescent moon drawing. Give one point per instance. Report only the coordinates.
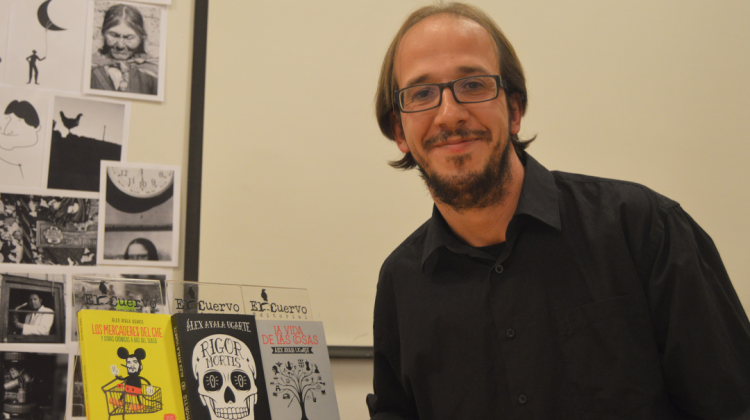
(44, 18)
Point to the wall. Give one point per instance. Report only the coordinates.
(296, 190)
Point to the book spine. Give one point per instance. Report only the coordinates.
(181, 370)
(86, 395)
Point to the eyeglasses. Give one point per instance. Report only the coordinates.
(466, 90)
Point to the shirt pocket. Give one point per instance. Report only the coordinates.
(611, 359)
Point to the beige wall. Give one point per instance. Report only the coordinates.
(296, 190)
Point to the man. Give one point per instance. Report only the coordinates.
(33, 70)
(20, 161)
(132, 382)
(529, 293)
(38, 323)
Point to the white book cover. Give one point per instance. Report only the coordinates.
(297, 370)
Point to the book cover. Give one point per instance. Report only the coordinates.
(298, 370)
(129, 366)
(221, 371)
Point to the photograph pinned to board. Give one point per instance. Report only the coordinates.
(33, 307)
(164, 2)
(46, 44)
(84, 133)
(95, 291)
(22, 136)
(4, 19)
(126, 44)
(35, 385)
(140, 220)
(48, 230)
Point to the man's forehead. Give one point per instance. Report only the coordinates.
(436, 40)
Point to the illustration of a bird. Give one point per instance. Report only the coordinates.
(103, 288)
(191, 293)
(264, 295)
(70, 123)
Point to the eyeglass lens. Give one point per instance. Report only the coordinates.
(466, 90)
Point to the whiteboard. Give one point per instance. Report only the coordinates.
(296, 190)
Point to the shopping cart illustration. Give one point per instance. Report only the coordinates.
(124, 399)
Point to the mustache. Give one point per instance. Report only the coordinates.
(462, 133)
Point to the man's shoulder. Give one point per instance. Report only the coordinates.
(609, 192)
(410, 249)
(44, 309)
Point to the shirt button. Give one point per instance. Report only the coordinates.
(511, 333)
(522, 399)
(499, 269)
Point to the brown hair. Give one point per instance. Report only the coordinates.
(510, 68)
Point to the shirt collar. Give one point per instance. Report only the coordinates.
(538, 199)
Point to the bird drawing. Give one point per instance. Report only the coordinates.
(264, 295)
(103, 288)
(191, 293)
(70, 123)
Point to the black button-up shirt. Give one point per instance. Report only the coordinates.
(607, 301)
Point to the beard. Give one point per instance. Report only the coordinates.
(472, 190)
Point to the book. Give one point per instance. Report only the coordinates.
(298, 370)
(220, 367)
(129, 366)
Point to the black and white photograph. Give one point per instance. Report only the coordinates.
(46, 43)
(48, 230)
(140, 219)
(32, 308)
(35, 385)
(100, 292)
(125, 49)
(4, 17)
(22, 136)
(85, 132)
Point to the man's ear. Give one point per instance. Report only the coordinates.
(514, 113)
(398, 133)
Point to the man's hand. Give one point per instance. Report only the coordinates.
(150, 390)
(115, 370)
(18, 325)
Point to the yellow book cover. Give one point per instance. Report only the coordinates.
(129, 366)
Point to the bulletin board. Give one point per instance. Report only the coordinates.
(289, 169)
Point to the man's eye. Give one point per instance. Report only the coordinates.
(421, 94)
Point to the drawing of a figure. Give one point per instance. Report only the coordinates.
(33, 70)
(19, 135)
(131, 386)
(122, 63)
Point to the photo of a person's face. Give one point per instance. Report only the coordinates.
(133, 365)
(122, 41)
(35, 301)
(137, 251)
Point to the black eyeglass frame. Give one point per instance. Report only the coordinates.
(441, 86)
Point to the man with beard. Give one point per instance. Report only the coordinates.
(530, 293)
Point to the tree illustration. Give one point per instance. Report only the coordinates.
(298, 382)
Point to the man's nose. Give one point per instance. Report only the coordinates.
(450, 112)
(8, 129)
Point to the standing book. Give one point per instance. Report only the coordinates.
(129, 366)
(298, 370)
(220, 367)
